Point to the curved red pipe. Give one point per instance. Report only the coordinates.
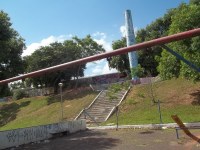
(159, 41)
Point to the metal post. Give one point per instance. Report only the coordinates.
(177, 136)
(61, 100)
(39, 90)
(160, 112)
(84, 113)
(117, 116)
(181, 58)
(44, 90)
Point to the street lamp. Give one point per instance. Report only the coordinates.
(44, 90)
(39, 90)
(61, 100)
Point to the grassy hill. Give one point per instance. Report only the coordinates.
(177, 96)
(43, 110)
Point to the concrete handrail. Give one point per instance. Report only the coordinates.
(113, 109)
(94, 100)
(88, 106)
(110, 113)
(124, 95)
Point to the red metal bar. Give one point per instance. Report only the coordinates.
(159, 41)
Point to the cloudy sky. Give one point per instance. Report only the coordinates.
(41, 22)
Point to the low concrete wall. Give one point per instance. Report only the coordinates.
(21, 136)
(146, 126)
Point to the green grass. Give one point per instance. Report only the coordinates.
(177, 96)
(43, 110)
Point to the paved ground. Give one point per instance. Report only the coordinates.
(123, 139)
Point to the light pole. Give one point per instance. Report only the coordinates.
(33, 91)
(44, 90)
(61, 100)
(39, 90)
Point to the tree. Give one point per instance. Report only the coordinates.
(58, 53)
(186, 17)
(120, 62)
(86, 47)
(196, 2)
(49, 56)
(147, 57)
(11, 48)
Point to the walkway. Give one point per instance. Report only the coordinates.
(127, 139)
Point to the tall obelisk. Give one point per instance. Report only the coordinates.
(130, 40)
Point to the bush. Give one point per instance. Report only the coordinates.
(137, 71)
(115, 88)
(19, 94)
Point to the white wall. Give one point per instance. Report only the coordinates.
(21, 136)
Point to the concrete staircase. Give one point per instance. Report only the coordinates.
(102, 107)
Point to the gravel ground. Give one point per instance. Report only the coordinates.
(123, 139)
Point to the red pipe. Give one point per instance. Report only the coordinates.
(159, 41)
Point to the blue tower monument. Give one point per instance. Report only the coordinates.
(130, 40)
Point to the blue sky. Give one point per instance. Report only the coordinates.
(41, 22)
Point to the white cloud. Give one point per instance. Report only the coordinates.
(101, 66)
(106, 45)
(102, 69)
(135, 31)
(123, 30)
(101, 38)
(107, 70)
(93, 68)
(92, 64)
(98, 68)
(44, 42)
(99, 34)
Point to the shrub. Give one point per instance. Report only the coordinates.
(19, 94)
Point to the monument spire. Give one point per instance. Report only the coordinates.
(130, 40)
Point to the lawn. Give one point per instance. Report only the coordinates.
(43, 110)
(176, 96)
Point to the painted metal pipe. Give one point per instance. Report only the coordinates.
(193, 66)
(159, 41)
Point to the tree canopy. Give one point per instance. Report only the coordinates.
(11, 48)
(147, 56)
(58, 53)
(186, 17)
(121, 62)
(155, 60)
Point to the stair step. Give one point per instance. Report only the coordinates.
(102, 107)
(96, 117)
(98, 110)
(104, 104)
(97, 113)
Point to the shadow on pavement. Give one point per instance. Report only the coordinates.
(84, 140)
(146, 132)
